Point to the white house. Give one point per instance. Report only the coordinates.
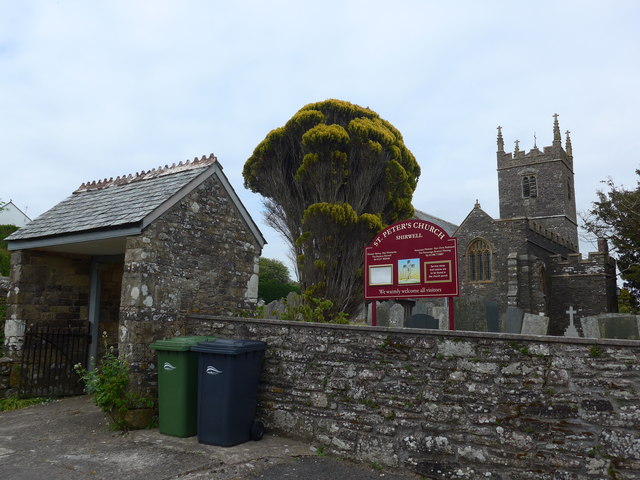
(12, 215)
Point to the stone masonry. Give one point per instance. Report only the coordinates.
(133, 257)
(450, 405)
(199, 257)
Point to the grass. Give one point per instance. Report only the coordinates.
(15, 403)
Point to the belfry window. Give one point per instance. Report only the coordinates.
(529, 187)
(479, 261)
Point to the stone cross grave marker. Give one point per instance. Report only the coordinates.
(571, 331)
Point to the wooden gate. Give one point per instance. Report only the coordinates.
(49, 354)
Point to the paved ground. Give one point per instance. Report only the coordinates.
(69, 439)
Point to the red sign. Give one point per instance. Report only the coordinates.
(411, 259)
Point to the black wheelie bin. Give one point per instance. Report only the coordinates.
(228, 374)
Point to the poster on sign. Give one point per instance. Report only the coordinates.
(411, 259)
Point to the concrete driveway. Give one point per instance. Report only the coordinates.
(69, 439)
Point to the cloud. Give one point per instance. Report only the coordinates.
(106, 88)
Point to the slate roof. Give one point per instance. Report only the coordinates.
(448, 227)
(123, 203)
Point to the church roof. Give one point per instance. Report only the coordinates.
(122, 207)
(446, 226)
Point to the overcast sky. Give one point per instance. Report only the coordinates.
(92, 90)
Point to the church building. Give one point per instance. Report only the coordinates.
(528, 260)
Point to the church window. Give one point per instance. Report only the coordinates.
(529, 187)
(479, 261)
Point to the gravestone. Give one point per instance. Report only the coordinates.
(396, 316)
(382, 314)
(513, 321)
(590, 327)
(493, 318)
(618, 326)
(422, 306)
(274, 309)
(470, 314)
(422, 320)
(534, 324)
(442, 315)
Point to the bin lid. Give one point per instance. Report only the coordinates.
(179, 344)
(229, 346)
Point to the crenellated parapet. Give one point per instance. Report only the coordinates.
(596, 263)
(519, 157)
(539, 229)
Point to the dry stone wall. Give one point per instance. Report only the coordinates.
(446, 405)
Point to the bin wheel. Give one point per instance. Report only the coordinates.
(257, 430)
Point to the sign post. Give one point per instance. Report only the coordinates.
(411, 259)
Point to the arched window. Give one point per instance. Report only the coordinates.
(479, 261)
(529, 187)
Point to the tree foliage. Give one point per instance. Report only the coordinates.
(5, 256)
(274, 281)
(615, 216)
(332, 177)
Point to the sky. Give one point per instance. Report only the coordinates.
(92, 90)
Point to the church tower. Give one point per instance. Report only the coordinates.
(539, 185)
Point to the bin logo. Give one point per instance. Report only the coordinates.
(211, 370)
(167, 366)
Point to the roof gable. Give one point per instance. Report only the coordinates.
(121, 207)
(446, 226)
(475, 216)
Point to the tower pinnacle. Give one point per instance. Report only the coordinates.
(567, 147)
(516, 151)
(557, 140)
(500, 140)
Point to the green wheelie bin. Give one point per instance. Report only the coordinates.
(178, 385)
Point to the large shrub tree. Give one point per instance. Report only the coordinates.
(332, 177)
(615, 216)
(274, 280)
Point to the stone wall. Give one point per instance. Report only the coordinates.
(198, 257)
(45, 288)
(450, 404)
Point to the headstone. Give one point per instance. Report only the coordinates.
(396, 316)
(294, 299)
(422, 306)
(470, 314)
(534, 324)
(590, 327)
(619, 326)
(422, 320)
(571, 331)
(442, 315)
(274, 309)
(493, 318)
(513, 321)
(382, 314)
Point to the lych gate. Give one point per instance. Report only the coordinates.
(132, 257)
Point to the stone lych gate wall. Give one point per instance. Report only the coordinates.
(451, 404)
